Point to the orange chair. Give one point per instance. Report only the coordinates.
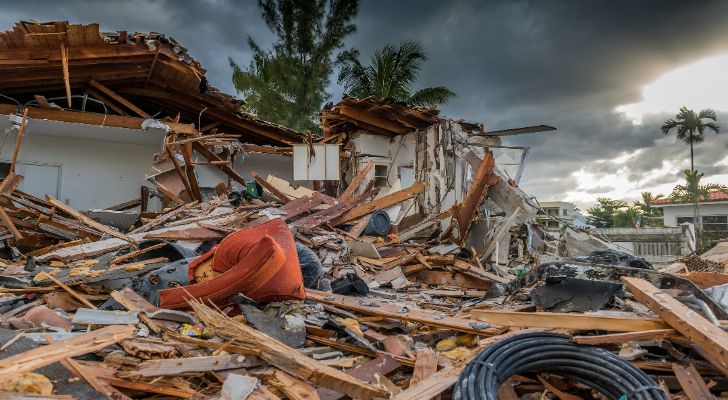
(259, 262)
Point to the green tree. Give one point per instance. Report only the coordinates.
(644, 206)
(391, 74)
(287, 84)
(605, 213)
(690, 127)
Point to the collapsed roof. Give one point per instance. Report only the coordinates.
(136, 76)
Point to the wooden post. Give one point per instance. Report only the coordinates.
(18, 140)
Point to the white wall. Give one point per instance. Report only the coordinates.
(672, 212)
(99, 166)
(94, 174)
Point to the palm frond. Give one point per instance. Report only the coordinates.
(432, 96)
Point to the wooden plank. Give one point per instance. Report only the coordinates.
(620, 338)
(66, 75)
(357, 181)
(130, 300)
(210, 156)
(292, 387)
(88, 221)
(465, 213)
(19, 140)
(151, 388)
(561, 395)
(285, 358)
(712, 340)
(9, 224)
(45, 355)
(381, 365)
(332, 212)
(692, 383)
(119, 99)
(186, 151)
(132, 254)
(68, 289)
(409, 313)
(42, 101)
(382, 202)
(93, 375)
(174, 366)
(270, 188)
(108, 103)
(425, 365)
(569, 321)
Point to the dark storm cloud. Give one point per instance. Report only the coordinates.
(566, 63)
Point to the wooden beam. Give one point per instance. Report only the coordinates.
(68, 289)
(19, 139)
(88, 221)
(372, 119)
(569, 321)
(66, 75)
(77, 117)
(108, 103)
(692, 383)
(178, 168)
(620, 338)
(382, 202)
(76, 346)
(287, 359)
(711, 339)
(270, 188)
(210, 156)
(408, 313)
(357, 181)
(186, 151)
(41, 100)
(126, 103)
(425, 365)
(9, 223)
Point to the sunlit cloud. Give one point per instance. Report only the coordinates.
(703, 84)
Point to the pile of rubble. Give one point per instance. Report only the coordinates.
(156, 311)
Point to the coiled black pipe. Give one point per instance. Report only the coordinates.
(592, 366)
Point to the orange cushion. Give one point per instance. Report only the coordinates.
(259, 262)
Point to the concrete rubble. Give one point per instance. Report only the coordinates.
(418, 272)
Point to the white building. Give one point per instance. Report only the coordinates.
(713, 212)
(551, 210)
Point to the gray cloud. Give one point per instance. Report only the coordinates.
(512, 63)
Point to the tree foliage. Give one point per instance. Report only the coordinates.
(610, 213)
(391, 75)
(287, 84)
(603, 214)
(690, 127)
(693, 190)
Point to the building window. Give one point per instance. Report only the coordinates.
(565, 212)
(380, 176)
(715, 223)
(682, 220)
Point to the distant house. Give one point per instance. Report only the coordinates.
(713, 212)
(552, 210)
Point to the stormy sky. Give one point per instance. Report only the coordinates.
(567, 63)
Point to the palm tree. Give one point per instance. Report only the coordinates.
(689, 127)
(693, 192)
(390, 76)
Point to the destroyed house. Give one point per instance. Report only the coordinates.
(99, 106)
(399, 147)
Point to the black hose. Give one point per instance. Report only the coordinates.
(592, 366)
